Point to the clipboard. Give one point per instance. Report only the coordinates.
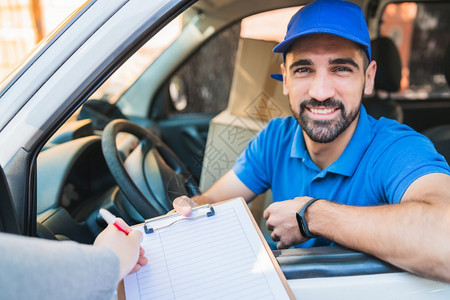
(158, 223)
(242, 268)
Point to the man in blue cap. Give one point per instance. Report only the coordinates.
(331, 167)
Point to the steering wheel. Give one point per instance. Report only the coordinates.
(152, 175)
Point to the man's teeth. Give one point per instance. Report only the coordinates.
(321, 111)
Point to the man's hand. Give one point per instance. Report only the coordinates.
(281, 220)
(126, 247)
(183, 205)
(227, 187)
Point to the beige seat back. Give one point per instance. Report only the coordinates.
(255, 98)
(254, 94)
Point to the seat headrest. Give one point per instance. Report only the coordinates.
(389, 65)
(446, 64)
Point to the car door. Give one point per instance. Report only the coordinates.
(58, 77)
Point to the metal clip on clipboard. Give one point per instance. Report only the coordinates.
(165, 221)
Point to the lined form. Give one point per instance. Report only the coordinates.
(220, 256)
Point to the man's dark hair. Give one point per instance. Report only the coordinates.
(364, 56)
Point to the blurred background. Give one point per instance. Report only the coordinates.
(24, 23)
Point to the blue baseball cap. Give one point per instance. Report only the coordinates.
(337, 17)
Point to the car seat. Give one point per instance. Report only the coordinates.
(387, 79)
(255, 99)
(440, 135)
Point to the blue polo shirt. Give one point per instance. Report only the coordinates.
(380, 162)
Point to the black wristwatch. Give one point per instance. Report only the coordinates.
(302, 221)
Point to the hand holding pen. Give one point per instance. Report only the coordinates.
(124, 242)
(111, 219)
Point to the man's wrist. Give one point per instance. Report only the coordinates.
(301, 219)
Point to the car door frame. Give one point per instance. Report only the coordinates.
(74, 68)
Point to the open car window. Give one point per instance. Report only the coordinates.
(72, 177)
(203, 82)
(135, 65)
(420, 32)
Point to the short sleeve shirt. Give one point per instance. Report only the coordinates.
(380, 162)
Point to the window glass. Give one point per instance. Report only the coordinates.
(203, 83)
(136, 64)
(421, 33)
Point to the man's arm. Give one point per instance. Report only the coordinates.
(413, 235)
(227, 187)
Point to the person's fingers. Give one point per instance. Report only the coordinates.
(142, 261)
(135, 269)
(274, 237)
(281, 246)
(266, 213)
(269, 226)
(183, 205)
(284, 244)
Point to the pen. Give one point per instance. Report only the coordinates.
(111, 219)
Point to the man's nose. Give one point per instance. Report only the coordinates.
(321, 88)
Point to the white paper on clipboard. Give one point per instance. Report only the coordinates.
(220, 257)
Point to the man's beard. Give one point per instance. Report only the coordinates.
(325, 131)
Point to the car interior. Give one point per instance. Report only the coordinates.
(163, 136)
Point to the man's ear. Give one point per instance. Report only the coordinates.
(370, 77)
(283, 72)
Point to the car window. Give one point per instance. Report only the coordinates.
(136, 64)
(203, 83)
(23, 24)
(420, 31)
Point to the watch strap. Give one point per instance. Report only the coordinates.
(301, 220)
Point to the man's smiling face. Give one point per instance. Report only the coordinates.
(325, 79)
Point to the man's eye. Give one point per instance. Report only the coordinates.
(302, 70)
(342, 69)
